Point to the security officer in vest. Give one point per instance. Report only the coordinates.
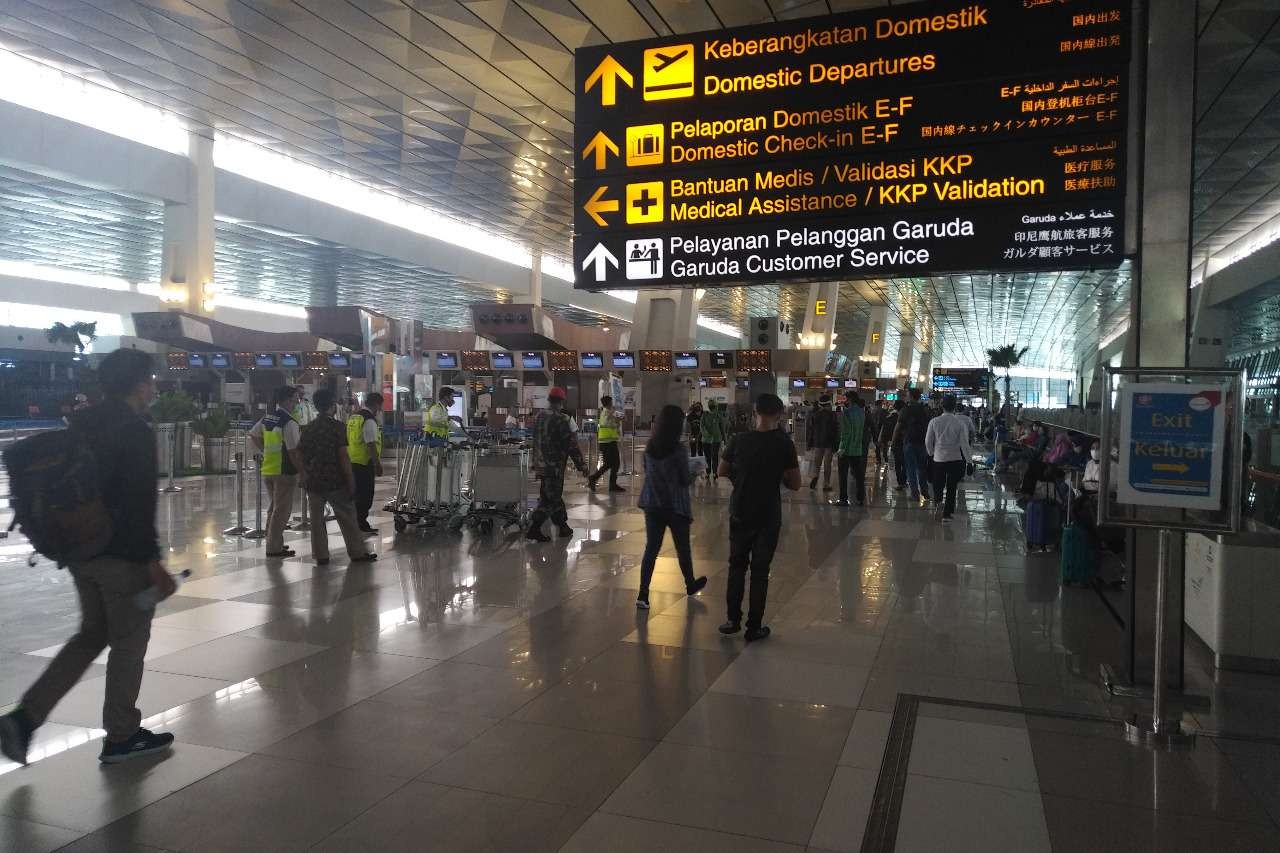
(608, 434)
(555, 443)
(436, 426)
(364, 446)
(276, 436)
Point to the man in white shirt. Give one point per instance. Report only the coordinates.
(947, 442)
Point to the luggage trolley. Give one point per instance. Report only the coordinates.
(429, 486)
(499, 487)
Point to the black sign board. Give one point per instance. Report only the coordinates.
(971, 381)
(921, 138)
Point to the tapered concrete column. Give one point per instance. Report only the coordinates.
(535, 279)
(186, 266)
(926, 370)
(668, 320)
(906, 353)
(818, 332)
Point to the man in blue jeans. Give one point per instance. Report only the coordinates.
(913, 424)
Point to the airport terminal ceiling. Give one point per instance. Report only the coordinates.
(467, 107)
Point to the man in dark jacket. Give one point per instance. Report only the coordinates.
(824, 438)
(108, 585)
(555, 443)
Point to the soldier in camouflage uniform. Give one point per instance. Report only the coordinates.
(554, 444)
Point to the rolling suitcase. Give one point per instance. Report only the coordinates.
(1041, 521)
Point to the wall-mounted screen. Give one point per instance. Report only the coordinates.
(290, 360)
(475, 359)
(315, 360)
(720, 360)
(446, 361)
(220, 360)
(504, 361)
(532, 361)
(851, 383)
(623, 361)
(563, 360)
(592, 361)
(655, 360)
(197, 359)
(833, 383)
(799, 383)
(339, 360)
(686, 360)
(755, 360)
(264, 359)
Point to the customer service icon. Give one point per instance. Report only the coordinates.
(644, 259)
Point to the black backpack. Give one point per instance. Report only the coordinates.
(57, 502)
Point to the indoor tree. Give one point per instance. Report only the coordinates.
(78, 335)
(1006, 357)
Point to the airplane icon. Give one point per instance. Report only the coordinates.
(667, 60)
(668, 72)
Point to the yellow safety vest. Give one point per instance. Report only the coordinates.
(437, 425)
(608, 430)
(356, 448)
(274, 461)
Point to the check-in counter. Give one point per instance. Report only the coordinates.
(1233, 596)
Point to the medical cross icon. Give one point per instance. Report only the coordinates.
(644, 202)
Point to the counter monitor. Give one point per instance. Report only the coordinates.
(592, 361)
(339, 360)
(686, 361)
(563, 360)
(834, 383)
(197, 359)
(290, 360)
(720, 360)
(220, 360)
(799, 383)
(504, 361)
(446, 361)
(264, 359)
(532, 361)
(655, 360)
(755, 361)
(475, 359)
(623, 361)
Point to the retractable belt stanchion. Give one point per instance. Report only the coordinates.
(173, 463)
(239, 529)
(257, 532)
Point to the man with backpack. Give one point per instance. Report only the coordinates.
(330, 480)
(276, 436)
(110, 573)
(555, 443)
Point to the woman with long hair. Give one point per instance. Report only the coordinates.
(665, 501)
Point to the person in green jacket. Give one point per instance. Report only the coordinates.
(713, 430)
(854, 439)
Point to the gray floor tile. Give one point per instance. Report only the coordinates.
(768, 797)
(619, 834)
(794, 680)
(845, 811)
(24, 836)
(456, 820)
(615, 707)
(541, 762)
(464, 688)
(764, 726)
(1087, 826)
(865, 745)
(973, 752)
(940, 814)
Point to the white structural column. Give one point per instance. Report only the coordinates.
(906, 351)
(873, 344)
(667, 320)
(187, 271)
(925, 379)
(820, 323)
(535, 279)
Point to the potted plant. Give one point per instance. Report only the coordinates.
(75, 334)
(1006, 357)
(172, 411)
(212, 429)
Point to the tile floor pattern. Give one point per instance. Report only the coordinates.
(468, 694)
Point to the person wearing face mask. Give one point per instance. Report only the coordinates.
(1092, 470)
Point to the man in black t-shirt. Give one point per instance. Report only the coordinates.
(758, 463)
(913, 423)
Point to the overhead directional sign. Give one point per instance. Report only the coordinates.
(912, 139)
(1171, 444)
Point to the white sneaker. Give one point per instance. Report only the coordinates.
(641, 604)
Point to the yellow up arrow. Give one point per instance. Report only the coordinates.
(607, 74)
(597, 205)
(600, 145)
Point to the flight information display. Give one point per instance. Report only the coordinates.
(720, 359)
(562, 360)
(973, 381)
(913, 139)
(655, 360)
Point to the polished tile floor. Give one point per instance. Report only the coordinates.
(926, 688)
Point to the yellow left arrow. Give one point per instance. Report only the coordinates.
(601, 146)
(607, 74)
(597, 205)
